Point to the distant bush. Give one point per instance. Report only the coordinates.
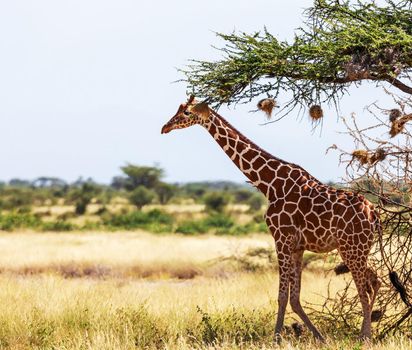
(219, 221)
(141, 196)
(255, 202)
(58, 226)
(156, 220)
(11, 221)
(219, 224)
(191, 227)
(215, 201)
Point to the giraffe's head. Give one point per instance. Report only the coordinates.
(188, 114)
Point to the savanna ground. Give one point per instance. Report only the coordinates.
(128, 290)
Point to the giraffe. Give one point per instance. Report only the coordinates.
(302, 214)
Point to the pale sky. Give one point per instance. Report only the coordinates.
(86, 85)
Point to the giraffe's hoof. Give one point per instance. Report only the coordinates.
(278, 338)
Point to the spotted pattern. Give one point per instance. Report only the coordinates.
(303, 214)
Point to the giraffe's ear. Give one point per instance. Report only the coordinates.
(202, 109)
(191, 99)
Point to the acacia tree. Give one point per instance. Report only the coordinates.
(341, 44)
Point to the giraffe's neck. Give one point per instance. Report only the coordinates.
(260, 167)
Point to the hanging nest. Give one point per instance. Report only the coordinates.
(315, 112)
(362, 156)
(398, 125)
(394, 114)
(396, 128)
(378, 156)
(267, 105)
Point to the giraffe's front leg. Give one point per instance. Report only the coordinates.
(284, 262)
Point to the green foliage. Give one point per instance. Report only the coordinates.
(242, 195)
(141, 196)
(342, 43)
(82, 194)
(12, 221)
(191, 227)
(215, 201)
(165, 192)
(15, 197)
(146, 176)
(256, 202)
(152, 220)
(219, 221)
(57, 226)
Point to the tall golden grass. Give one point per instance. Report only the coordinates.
(222, 307)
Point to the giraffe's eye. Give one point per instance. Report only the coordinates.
(187, 113)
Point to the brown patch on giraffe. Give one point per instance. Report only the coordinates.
(285, 220)
(295, 174)
(313, 218)
(232, 143)
(293, 196)
(318, 200)
(349, 214)
(290, 184)
(267, 174)
(278, 185)
(274, 209)
(263, 188)
(290, 207)
(305, 205)
(259, 162)
(310, 237)
(299, 219)
(283, 172)
(326, 216)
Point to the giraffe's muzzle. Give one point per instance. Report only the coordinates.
(166, 128)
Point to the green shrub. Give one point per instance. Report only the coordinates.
(58, 226)
(255, 202)
(219, 221)
(154, 220)
(215, 201)
(141, 196)
(12, 221)
(191, 227)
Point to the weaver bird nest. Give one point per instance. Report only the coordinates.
(315, 112)
(267, 105)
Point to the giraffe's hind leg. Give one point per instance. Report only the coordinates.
(295, 284)
(373, 285)
(359, 269)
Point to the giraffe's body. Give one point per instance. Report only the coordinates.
(303, 214)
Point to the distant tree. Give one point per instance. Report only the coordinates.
(194, 190)
(136, 175)
(165, 192)
(242, 195)
(119, 183)
(49, 182)
(215, 201)
(19, 183)
(255, 202)
(82, 195)
(141, 196)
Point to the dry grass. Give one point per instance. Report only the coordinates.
(221, 308)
